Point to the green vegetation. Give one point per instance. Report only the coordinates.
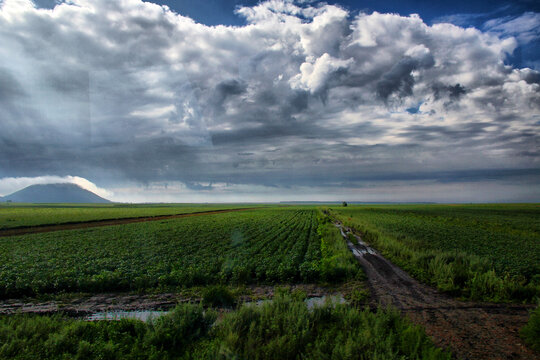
(337, 260)
(279, 245)
(488, 252)
(18, 215)
(531, 331)
(282, 329)
(55, 337)
(218, 296)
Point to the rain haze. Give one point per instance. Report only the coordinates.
(280, 100)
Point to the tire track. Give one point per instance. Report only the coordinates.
(471, 330)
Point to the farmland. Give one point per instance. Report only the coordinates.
(462, 250)
(478, 251)
(22, 215)
(258, 246)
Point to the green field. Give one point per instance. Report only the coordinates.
(278, 245)
(487, 252)
(20, 215)
(478, 251)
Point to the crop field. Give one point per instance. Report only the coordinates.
(260, 246)
(19, 215)
(465, 242)
(480, 252)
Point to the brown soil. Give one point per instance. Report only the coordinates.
(471, 330)
(109, 222)
(83, 305)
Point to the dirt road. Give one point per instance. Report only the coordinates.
(470, 330)
(107, 222)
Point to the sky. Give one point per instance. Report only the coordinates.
(280, 100)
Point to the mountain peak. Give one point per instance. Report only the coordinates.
(55, 193)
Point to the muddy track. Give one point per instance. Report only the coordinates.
(108, 222)
(83, 305)
(470, 330)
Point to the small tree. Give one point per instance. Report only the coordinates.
(344, 204)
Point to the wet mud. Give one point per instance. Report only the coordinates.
(471, 330)
(85, 305)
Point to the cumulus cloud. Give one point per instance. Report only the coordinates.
(305, 94)
(314, 76)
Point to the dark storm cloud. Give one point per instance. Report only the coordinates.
(532, 77)
(302, 96)
(453, 92)
(399, 78)
(10, 88)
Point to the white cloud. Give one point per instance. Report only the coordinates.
(9, 185)
(131, 90)
(314, 76)
(525, 28)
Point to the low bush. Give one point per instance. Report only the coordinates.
(286, 329)
(218, 296)
(531, 331)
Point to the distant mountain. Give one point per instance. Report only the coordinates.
(55, 193)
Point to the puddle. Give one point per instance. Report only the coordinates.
(319, 301)
(361, 248)
(143, 315)
(310, 302)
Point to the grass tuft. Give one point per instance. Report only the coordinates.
(531, 332)
(218, 296)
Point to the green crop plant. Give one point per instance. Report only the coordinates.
(484, 252)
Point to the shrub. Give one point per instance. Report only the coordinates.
(218, 296)
(286, 329)
(358, 297)
(175, 331)
(531, 332)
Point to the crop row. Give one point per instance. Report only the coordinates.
(489, 252)
(259, 246)
(19, 215)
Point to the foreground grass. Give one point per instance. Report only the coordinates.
(531, 332)
(282, 329)
(487, 252)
